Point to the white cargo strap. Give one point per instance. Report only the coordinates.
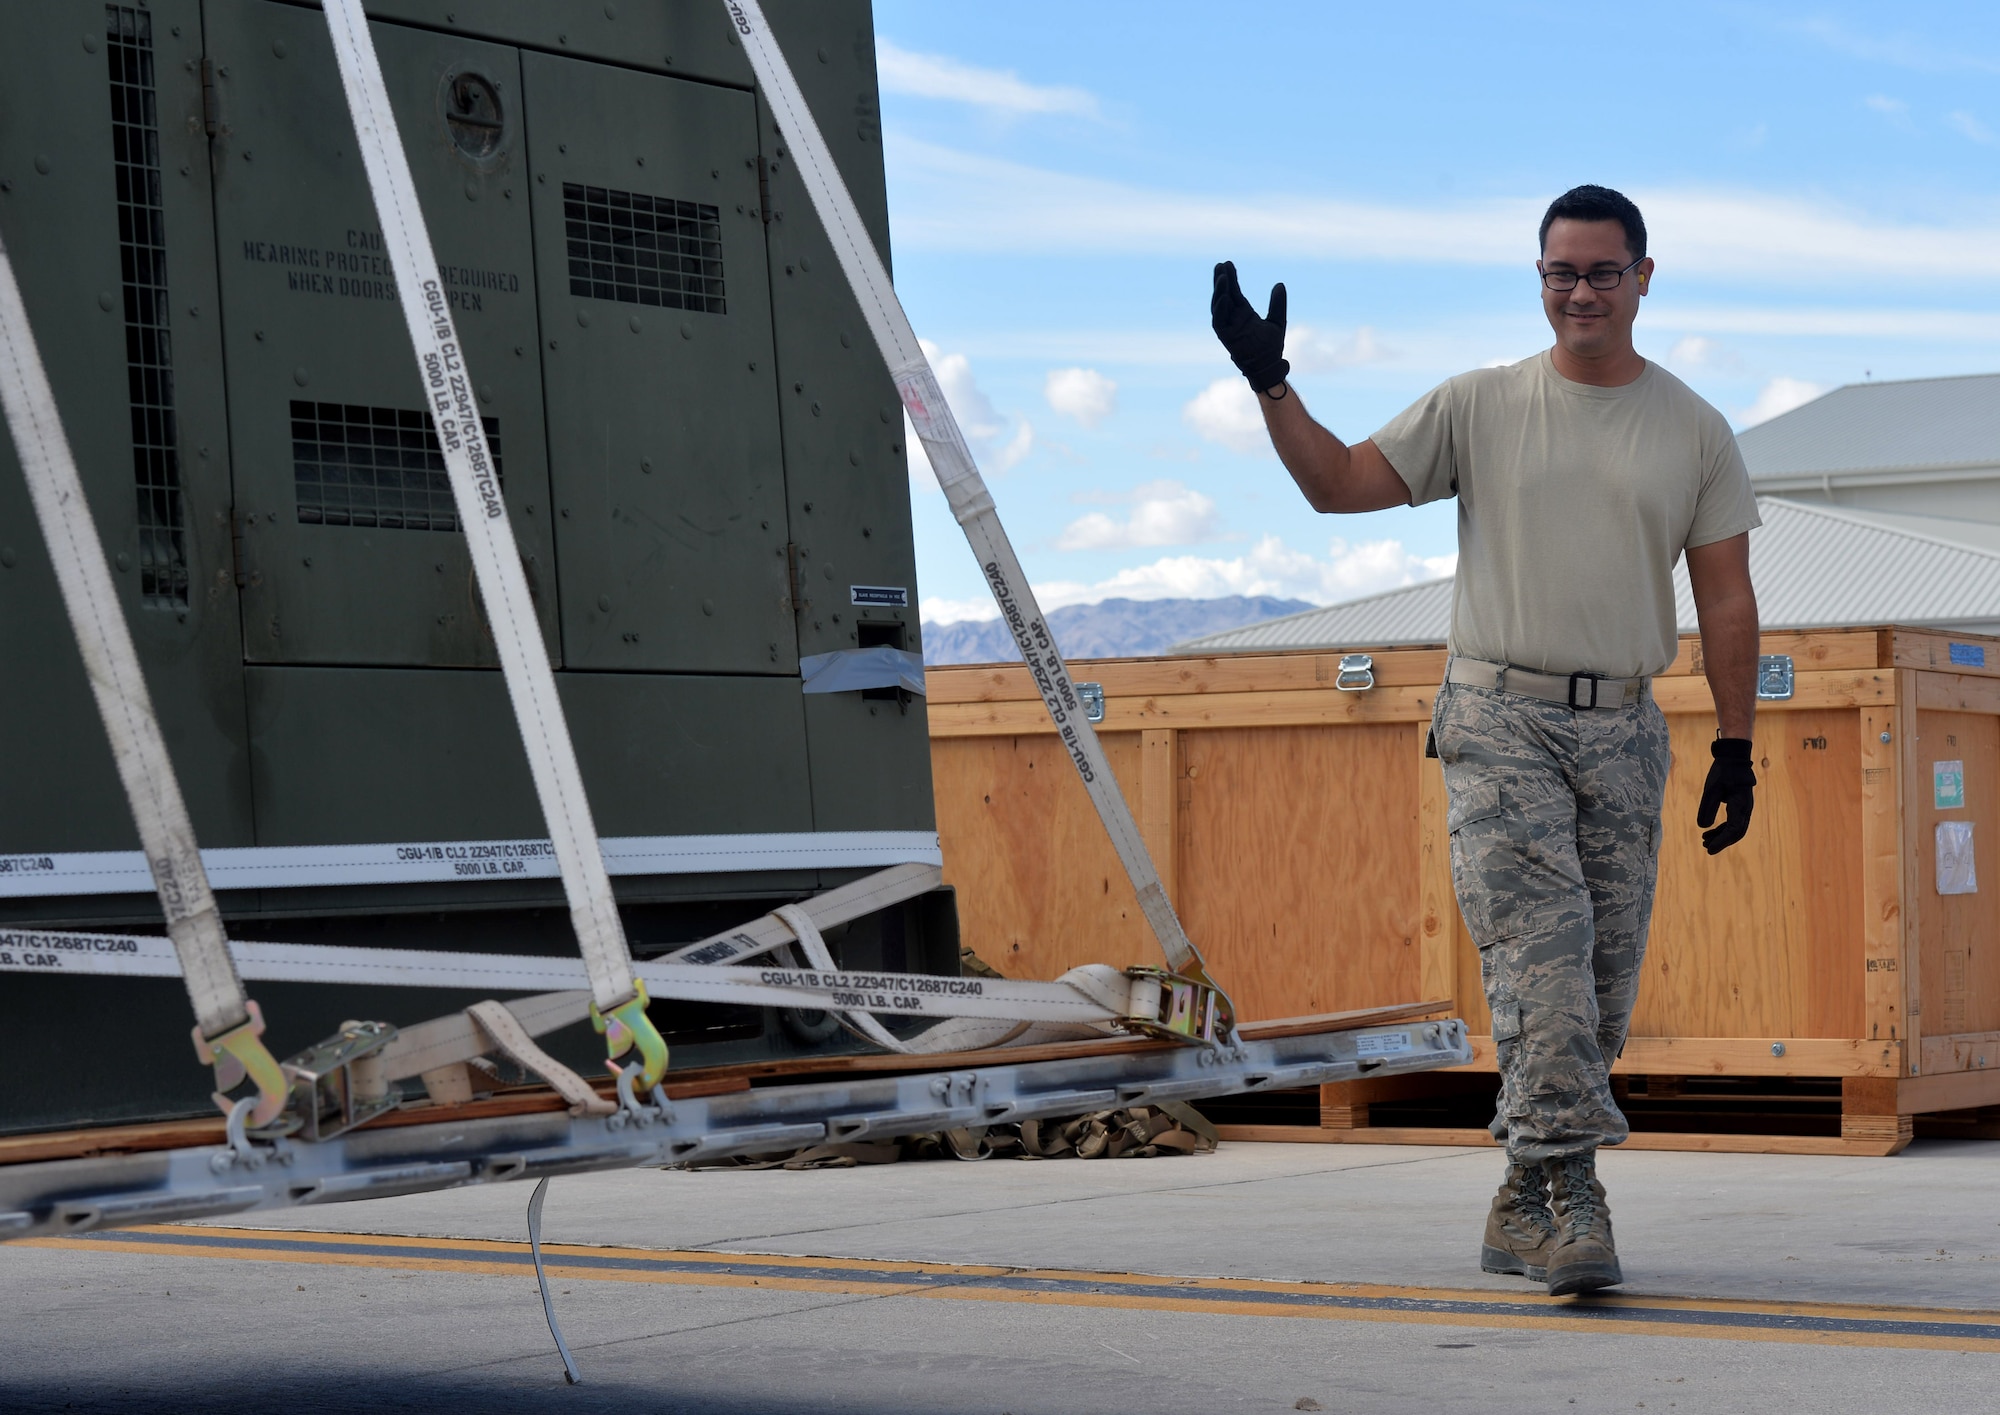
(165, 832)
(956, 471)
(960, 1032)
(510, 1037)
(449, 1039)
(1096, 992)
(54, 872)
(817, 954)
(475, 488)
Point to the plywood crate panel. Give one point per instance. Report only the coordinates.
(1301, 833)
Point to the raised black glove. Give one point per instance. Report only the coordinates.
(1730, 783)
(1256, 344)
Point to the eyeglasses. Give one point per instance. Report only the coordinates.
(1599, 279)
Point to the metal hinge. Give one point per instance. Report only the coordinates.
(764, 189)
(795, 579)
(211, 121)
(236, 549)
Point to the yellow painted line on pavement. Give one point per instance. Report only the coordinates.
(1813, 1323)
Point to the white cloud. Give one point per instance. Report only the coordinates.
(1226, 412)
(1310, 351)
(1016, 448)
(1081, 393)
(951, 200)
(1163, 513)
(1269, 568)
(1887, 106)
(969, 403)
(1904, 51)
(1692, 351)
(1780, 395)
(998, 90)
(1971, 127)
(1699, 353)
(983, 425)
(953, 611)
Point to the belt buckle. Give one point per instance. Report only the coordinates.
(1591, 678)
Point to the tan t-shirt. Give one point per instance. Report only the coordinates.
(1574, 503)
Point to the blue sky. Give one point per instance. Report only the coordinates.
(1822, 187)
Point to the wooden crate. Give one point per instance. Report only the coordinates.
(1301, 833)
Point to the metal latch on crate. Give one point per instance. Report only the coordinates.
(1093, 700)
(1774, 676)
(339, 1084)
(1357, 671)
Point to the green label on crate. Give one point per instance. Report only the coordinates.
(1948, 779)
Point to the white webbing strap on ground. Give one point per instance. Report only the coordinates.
(165, 832)
(475, 487)
(956, 471)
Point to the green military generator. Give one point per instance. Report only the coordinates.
(699, 448)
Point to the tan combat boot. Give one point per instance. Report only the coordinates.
(1520, 1230)
(1584, 1257)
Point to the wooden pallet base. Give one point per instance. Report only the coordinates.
(1754, 1114)
(1644, 1140)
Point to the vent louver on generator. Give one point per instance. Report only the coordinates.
(142, 249)
(643, 250)
(356, 466)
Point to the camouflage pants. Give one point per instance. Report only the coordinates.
(1555, 827)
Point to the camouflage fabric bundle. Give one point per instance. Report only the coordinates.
(1136, 1132)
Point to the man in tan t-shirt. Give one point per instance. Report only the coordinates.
(1582, 475)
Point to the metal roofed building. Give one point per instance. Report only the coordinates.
(1814, 567)
(1920, 446)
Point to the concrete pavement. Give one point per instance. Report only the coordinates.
(1725, 1246)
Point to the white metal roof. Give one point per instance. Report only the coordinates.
(1911, 425)
(1814, 567)
(1415, 614)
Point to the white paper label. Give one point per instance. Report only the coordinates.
(1955, 871)
(1382, 1044)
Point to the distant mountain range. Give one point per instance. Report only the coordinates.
(1114, 628)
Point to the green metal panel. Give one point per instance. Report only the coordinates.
(347, 755)
(335, 571)
(667, 470)
(59, 211)
(687, 38)
(845, 462)
(369, 714)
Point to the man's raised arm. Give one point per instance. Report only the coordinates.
(1333, 475)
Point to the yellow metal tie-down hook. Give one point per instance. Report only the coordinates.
(241, 1052)
(627, 1026)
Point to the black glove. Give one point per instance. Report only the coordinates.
(1731, 782)
(1257, 346)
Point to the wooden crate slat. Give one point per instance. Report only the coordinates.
(1305, 837)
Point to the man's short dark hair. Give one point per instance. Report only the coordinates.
(1594, 203)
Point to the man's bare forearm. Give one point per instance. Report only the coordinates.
(1729, 658)
(1333, 476)
(1725, 605)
